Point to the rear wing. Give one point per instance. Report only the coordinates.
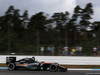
(10, 60)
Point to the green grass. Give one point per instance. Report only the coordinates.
(3, 65)
(82, 66)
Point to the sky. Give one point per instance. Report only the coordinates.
(49, 6)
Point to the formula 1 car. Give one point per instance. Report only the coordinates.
(31, 64)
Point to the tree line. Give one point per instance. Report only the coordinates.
(24, 35)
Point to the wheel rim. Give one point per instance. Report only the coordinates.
(11, 66)
(53, 67)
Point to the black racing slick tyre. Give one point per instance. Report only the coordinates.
(53, 67)
(11, 66)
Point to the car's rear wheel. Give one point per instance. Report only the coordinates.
(53, 68)
(11, 66)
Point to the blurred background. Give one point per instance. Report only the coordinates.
(43, 34)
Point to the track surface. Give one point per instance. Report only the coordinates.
(6, 72)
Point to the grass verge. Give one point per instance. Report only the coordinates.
(3, 65)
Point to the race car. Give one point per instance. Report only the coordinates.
(32, 64)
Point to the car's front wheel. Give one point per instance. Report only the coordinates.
(53, 67)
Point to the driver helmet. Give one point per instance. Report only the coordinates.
(33, 58)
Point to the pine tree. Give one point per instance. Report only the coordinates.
(59, 22)
(37, 22)
(86, 16)
(74, 25)
(25, 19)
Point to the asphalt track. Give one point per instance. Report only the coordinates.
(69, 72)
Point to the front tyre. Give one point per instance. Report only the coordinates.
(11, 66)
(53, 67)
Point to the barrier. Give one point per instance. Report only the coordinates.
(64, 60)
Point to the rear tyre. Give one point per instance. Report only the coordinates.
(53, 68)
(11, 66)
